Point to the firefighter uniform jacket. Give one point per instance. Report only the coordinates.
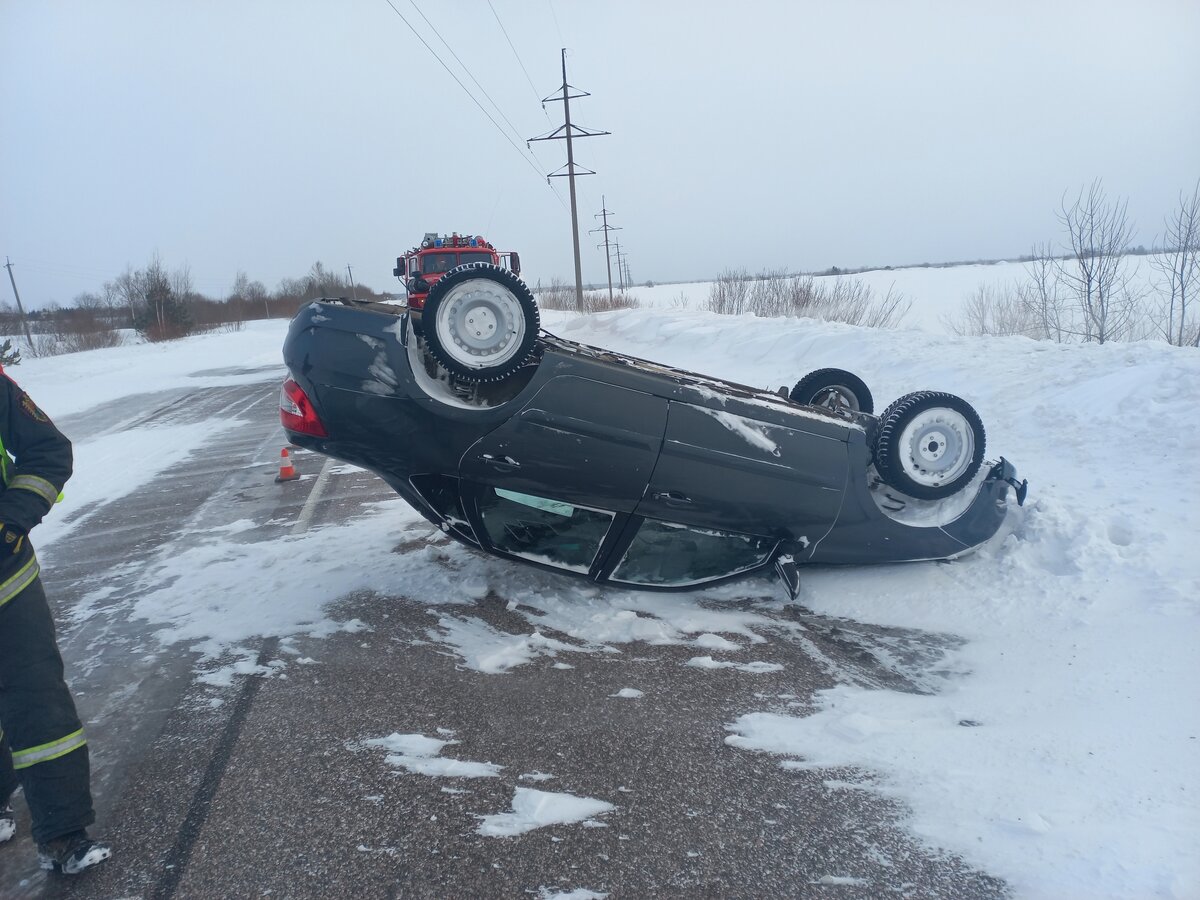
(42, 745)
(31, 483)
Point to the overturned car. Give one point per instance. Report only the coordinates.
(619, 470)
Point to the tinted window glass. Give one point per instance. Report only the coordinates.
(476, 256)
(545, 531)
(666, 554)
(438, 262)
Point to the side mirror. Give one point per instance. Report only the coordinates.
(789, 574)
(514, 263)
(399, 270)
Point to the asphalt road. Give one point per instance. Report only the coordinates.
(260, 789)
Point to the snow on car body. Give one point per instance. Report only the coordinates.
(605, 466)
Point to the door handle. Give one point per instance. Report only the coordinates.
(503, 463)
(671, 498)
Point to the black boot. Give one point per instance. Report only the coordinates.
(72, 853)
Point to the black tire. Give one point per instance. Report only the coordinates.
(929, 445)
(494, 302)
(833, 389)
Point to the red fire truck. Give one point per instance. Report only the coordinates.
(438, 254)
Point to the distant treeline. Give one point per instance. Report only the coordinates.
(1023, 258)
(162, 304)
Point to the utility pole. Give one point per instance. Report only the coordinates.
(353, 289)
(620, 268)
(20, 308)
(566, 132)
(606, 228)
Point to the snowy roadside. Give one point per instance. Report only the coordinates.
(1064, 753)
(1060, 751)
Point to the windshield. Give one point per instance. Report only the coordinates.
(436, 263)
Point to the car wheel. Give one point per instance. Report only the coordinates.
(834, 389)
(480, 322)
(929, 444)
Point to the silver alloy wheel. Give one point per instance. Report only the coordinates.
(481, 324)
(937, 446)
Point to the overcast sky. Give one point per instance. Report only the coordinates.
(262, 135)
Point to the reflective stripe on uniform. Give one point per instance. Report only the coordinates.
(18, 582)
(23, 759)
(39, 486)
(53, 497)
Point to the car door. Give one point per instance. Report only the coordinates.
(577, 441)
(542, 530)
(664, 554)
(722, 470)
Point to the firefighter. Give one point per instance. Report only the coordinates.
(42, 745)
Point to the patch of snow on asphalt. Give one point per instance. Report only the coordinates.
(532, 809)
(418, 754)
(755, 668)
(113, 466)
(220, 589)
(715, 642)
(547, 893)
(487, 650)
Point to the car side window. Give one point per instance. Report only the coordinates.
(670, 555)
(543, 530)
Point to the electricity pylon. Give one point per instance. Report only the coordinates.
(566, 132)
(604, 213)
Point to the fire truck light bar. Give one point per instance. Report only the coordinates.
(436, 241)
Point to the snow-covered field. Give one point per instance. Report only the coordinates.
(1059, 747)
(936, 293)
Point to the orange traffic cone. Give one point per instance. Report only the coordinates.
(287, 472)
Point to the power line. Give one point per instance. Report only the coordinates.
(83, 275)
(482, 89)
(514, 50)
(554, 16)
(532, 163)
(57, 266)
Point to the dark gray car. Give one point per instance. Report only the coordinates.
(620, 470)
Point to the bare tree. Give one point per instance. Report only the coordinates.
(1097, 275)
(997, 310)
(256, 292)
(246, 293)
(158, 292)
(130, 288)
(321, 282)
(181, 282)
(775, 293)
(1179, 270)
(1042, 295)
(730, 292)
(853, 302)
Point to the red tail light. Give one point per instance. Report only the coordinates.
(296, 411)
